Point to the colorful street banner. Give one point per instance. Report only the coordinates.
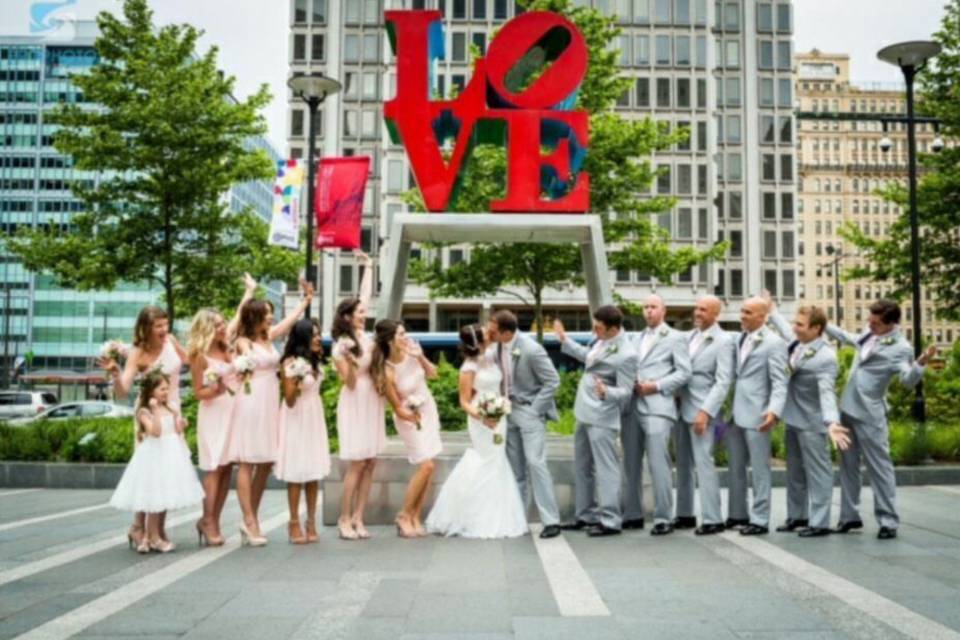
(285, 221)
(341, 184)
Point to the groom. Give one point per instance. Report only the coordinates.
(530, 381)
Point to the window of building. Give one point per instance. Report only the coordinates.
(371, 48)
(786, 129)
(663, 92)
(766, 92)
(769, 167)
(786, 247)
(731, 16)
(769, 205)
(700, 59)
(784, 22)
(683, 51)
(641, 50)
(736, 243)
(736, 205)
(685, 222)
(459, 42)
(732, 53)
(732, 92)
(319, 11)
(786, 206)
(702, 179)
(683, 93)
(785, 93)
(733, 130)
(684, 145)
(296, 123)
(701, 136)
(643, 92)
(641, 11)
(663, 178)
(764, 17)
(299, 47)
(346, 278)
(663, 50)
(316, 47)
(734, 167)
(786, 168)
(767, 132)
(766, 54)
(479, 9)
(351, 47)
(770, 244)
(300, 11)
(459, 9)
(770, 281)
(681, 12)
(684, 179)
(662, 11)
(784, 58)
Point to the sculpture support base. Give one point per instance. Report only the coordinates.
(585, 230)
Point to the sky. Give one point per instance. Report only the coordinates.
(253, 36)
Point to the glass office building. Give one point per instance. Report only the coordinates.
(62, 328)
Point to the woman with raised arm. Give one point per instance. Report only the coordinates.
(255, 424)
(154, 347)
(361, 425)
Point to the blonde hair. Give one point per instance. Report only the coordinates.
(203, 332)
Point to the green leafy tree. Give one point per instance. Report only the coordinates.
(161, 142)
(938, 194)
(618, 162)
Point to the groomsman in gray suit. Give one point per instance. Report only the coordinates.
(605, 389)
(758, 400)
(712, 355)
(663, 367)
(530, 381)
(810, 412)
(882, 353)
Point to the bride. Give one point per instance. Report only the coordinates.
(480, 498)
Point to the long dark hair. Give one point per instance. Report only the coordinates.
(343, 324)
(384, 333)
(252, 315)
(298, 343)
(471, 340)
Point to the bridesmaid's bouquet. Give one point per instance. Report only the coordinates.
(114, 350)
(211, 378)
(494, 407)
(344, 346)
(300, 369)
(243, 365)
(415, 403)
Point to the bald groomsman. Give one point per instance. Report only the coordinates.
(712, 355)
(810, 413)
(759, 396)
(663, 367)
(882, 353)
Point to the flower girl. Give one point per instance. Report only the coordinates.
(160, 475)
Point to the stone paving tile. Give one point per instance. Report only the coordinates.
(39, 613)
(391, 599)
(574, 628)
(487, 612)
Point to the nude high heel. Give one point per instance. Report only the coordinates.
(248, 539)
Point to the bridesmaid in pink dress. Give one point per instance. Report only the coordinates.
(401, 371)
(214, 386)
(153, 346)
(303, 455)
(253, 432)
(361, 424)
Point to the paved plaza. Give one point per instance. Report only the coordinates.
(65, 570)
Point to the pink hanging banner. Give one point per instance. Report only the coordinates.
(341, 184)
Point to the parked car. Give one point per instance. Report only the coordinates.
(86, 409)
(16, 404)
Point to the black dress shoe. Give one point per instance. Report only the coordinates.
(636, 523)
(814, 532)
(793, 525)
(847, 527)
(599, 530)
(661, 529)
(886, 533)
(550, 531)
(754, 530)
(577, 525)
(709, 529)
(684, 522)
(733, 523)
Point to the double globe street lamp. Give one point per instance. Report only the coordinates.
(312, 88)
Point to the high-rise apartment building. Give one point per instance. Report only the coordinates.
(62, 328)
(841, 168)
(722, 69)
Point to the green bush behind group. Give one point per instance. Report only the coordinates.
(112, 439)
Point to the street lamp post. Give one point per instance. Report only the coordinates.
(312, 88)
(835, 265)
(911, 57)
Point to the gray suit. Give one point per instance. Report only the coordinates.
(598, 423)
(534, 381)
(713, 366)
(761, 388)
(864, 411)
(667, 362)
(811, 407)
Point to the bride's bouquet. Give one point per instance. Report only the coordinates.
(243, 365)
(494, 407)
(300, 369)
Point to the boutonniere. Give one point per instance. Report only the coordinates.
(708, 339)
(612, 349)
(516, 352)
(809, 353)
(663, 332)
(887, 341)
(758, 338)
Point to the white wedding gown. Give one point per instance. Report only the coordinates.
(480, 498)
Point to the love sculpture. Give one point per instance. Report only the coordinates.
(515, 100)
(495, 108)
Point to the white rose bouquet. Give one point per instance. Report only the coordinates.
(415, 403)
(494, 407)
(243, 365)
